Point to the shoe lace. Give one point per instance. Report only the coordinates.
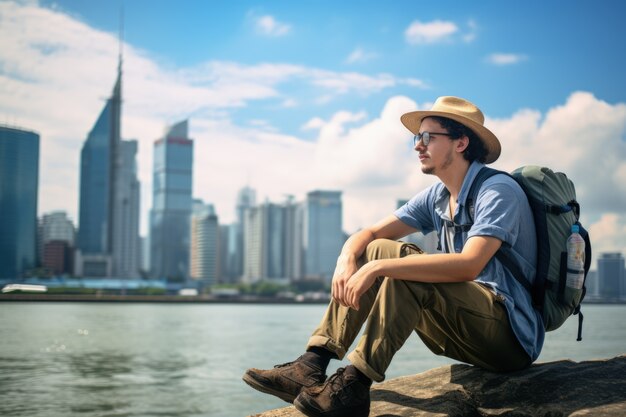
(336, 382)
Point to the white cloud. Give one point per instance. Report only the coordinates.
(268, 25)
(586, 139)
(501, 59)
(608, 233)
(315, 123)
(56, 71)
(360, 55)
(429, 32)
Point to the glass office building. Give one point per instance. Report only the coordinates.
(19, 181)
(126, 250)
(98, 165)
(323, 234)
(108, 233)
(246, 198)
(170, 218)
(204, 243)
(611, 276)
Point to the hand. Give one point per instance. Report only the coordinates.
(359, 283)
(346, 267)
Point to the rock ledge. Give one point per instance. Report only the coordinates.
(553, 389)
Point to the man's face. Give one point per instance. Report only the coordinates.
(439, 154)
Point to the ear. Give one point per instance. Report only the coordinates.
(462, 143)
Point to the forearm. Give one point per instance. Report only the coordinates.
(444, 267)
(453, 267)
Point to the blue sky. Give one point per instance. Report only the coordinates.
(562, 46)
(292, 96)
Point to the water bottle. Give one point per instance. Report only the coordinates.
(575, 259)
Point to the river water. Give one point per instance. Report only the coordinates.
(122, 359)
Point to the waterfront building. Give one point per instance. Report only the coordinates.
(171, 204)
(98, 169)
(265, 243)
(57, 236)
(246, 198)
(56, 225)
(145, 255)
(611, 276)
(226, 253)
(294, 238)
(19, 181)
(126, 255)
(592, 285)
(323, 235)
(109, 193)
(58, 257)
(204, 265)
(93, 265)
(254, 247)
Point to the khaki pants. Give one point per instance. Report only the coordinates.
(464, 321)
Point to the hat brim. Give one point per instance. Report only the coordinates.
(413, 121)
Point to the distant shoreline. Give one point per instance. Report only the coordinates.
(199, 299)
(112, 298)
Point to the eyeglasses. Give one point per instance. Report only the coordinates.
(425, 137)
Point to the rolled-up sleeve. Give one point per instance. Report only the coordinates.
(418, 211)
(497, 211)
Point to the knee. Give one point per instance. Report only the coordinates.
(382, 249)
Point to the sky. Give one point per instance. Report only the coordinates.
(288, 97)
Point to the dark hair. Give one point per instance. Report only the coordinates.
(475, 150)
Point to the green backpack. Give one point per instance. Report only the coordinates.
(552, 199)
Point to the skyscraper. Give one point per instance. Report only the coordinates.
(264, 242)
(294, 228)
(611, 276)
(253, 244)
(98, 169)
(204, 265)
(126, 243)
(246, 198)
(227, 253)
(171, 204)
(19, 180)
(108, 234)
(323, 234)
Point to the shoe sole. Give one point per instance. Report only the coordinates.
(248, 379)
(304, 409)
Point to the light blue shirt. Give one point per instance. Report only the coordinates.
(502, 211)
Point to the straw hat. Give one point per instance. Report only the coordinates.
(462, 111)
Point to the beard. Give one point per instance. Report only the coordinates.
(428, 170)
(432, 169)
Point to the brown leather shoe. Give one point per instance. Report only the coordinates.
(285, 381)
(342, 395)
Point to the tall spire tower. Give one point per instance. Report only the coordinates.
(109, 202)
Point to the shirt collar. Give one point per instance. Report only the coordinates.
(441, 202)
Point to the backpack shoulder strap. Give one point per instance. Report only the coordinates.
(484, 174)
(502, 254)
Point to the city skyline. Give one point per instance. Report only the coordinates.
(286, 124)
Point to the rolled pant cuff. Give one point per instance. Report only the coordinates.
(327, 343)
(364, 367)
